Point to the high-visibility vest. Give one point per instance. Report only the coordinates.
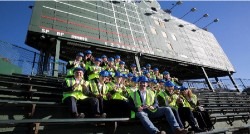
(94, 89)
(167, 98)
(160, 76)
(95, 74)
(131, 89)
(118, 95)
(78, 91)
(150, 96)
(70, 71)
(123, 71)
(187, 104)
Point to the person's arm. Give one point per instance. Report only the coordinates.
(161, 101)
(68, 66)
(156, 104)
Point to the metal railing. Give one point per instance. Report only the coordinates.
(224, 84)
(28, 60)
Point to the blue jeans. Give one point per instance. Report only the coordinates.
(161, 111)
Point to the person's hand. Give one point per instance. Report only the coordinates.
(109, 96)
(151, 108)
(84, 85)
(74, 86)
(140, 109)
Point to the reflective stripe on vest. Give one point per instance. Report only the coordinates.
(94, 89)
(137, 100)
(77, 93)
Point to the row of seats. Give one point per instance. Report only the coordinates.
(35, 101)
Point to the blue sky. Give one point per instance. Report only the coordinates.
(232, 31)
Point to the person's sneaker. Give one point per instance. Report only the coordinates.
(180, 131)
(161, 132)
(197, 129)
(81, 115)
(103, 115)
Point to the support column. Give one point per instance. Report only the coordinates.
(40, 63)
(137, 61)
(207, 80)
(231, 78)
(46, 63)
(56, 59)
(33, 64)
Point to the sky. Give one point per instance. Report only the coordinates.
(232, 31)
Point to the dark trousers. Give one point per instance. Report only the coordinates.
(187, 115)
(90, 105)
(116, 108)
(203, 119)
(177, 117)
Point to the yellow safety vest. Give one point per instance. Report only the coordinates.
(70, 71)
(118, 95)
(95, 74)
(123, 71)
(78, 91)
(94, 89)
(167, 98)
(187, 104)
(150, 96)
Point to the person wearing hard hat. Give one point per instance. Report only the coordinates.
(99, 90)
(88, 59)
(188, 102)
(118, 98)
(145, 106)
(76, 91)
(122, 68)
(134, 71)
(110, 66)
(117, 60)
(156, 74)
(168, 98)
(71, 65)
(95, 69)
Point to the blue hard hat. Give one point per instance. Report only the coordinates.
(135, 79)
(165, 73)
(169, 84)
(143, 68)
(124, 76)
(110, 74)
(118, 74)
(111, 59)
(162, 81)
(156, 69)
(143, 79)
(104, 73)
(88, 52)
(154, 81)
(177, 87)
(148, 65)
(122, 62)
(145, 72)
(104, 56)
(80, 54)
(183, 88)
(79, 69)
(98, 59)
(117, 57)
(133, 65)
(130, 75)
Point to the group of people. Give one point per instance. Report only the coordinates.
(104, 87)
